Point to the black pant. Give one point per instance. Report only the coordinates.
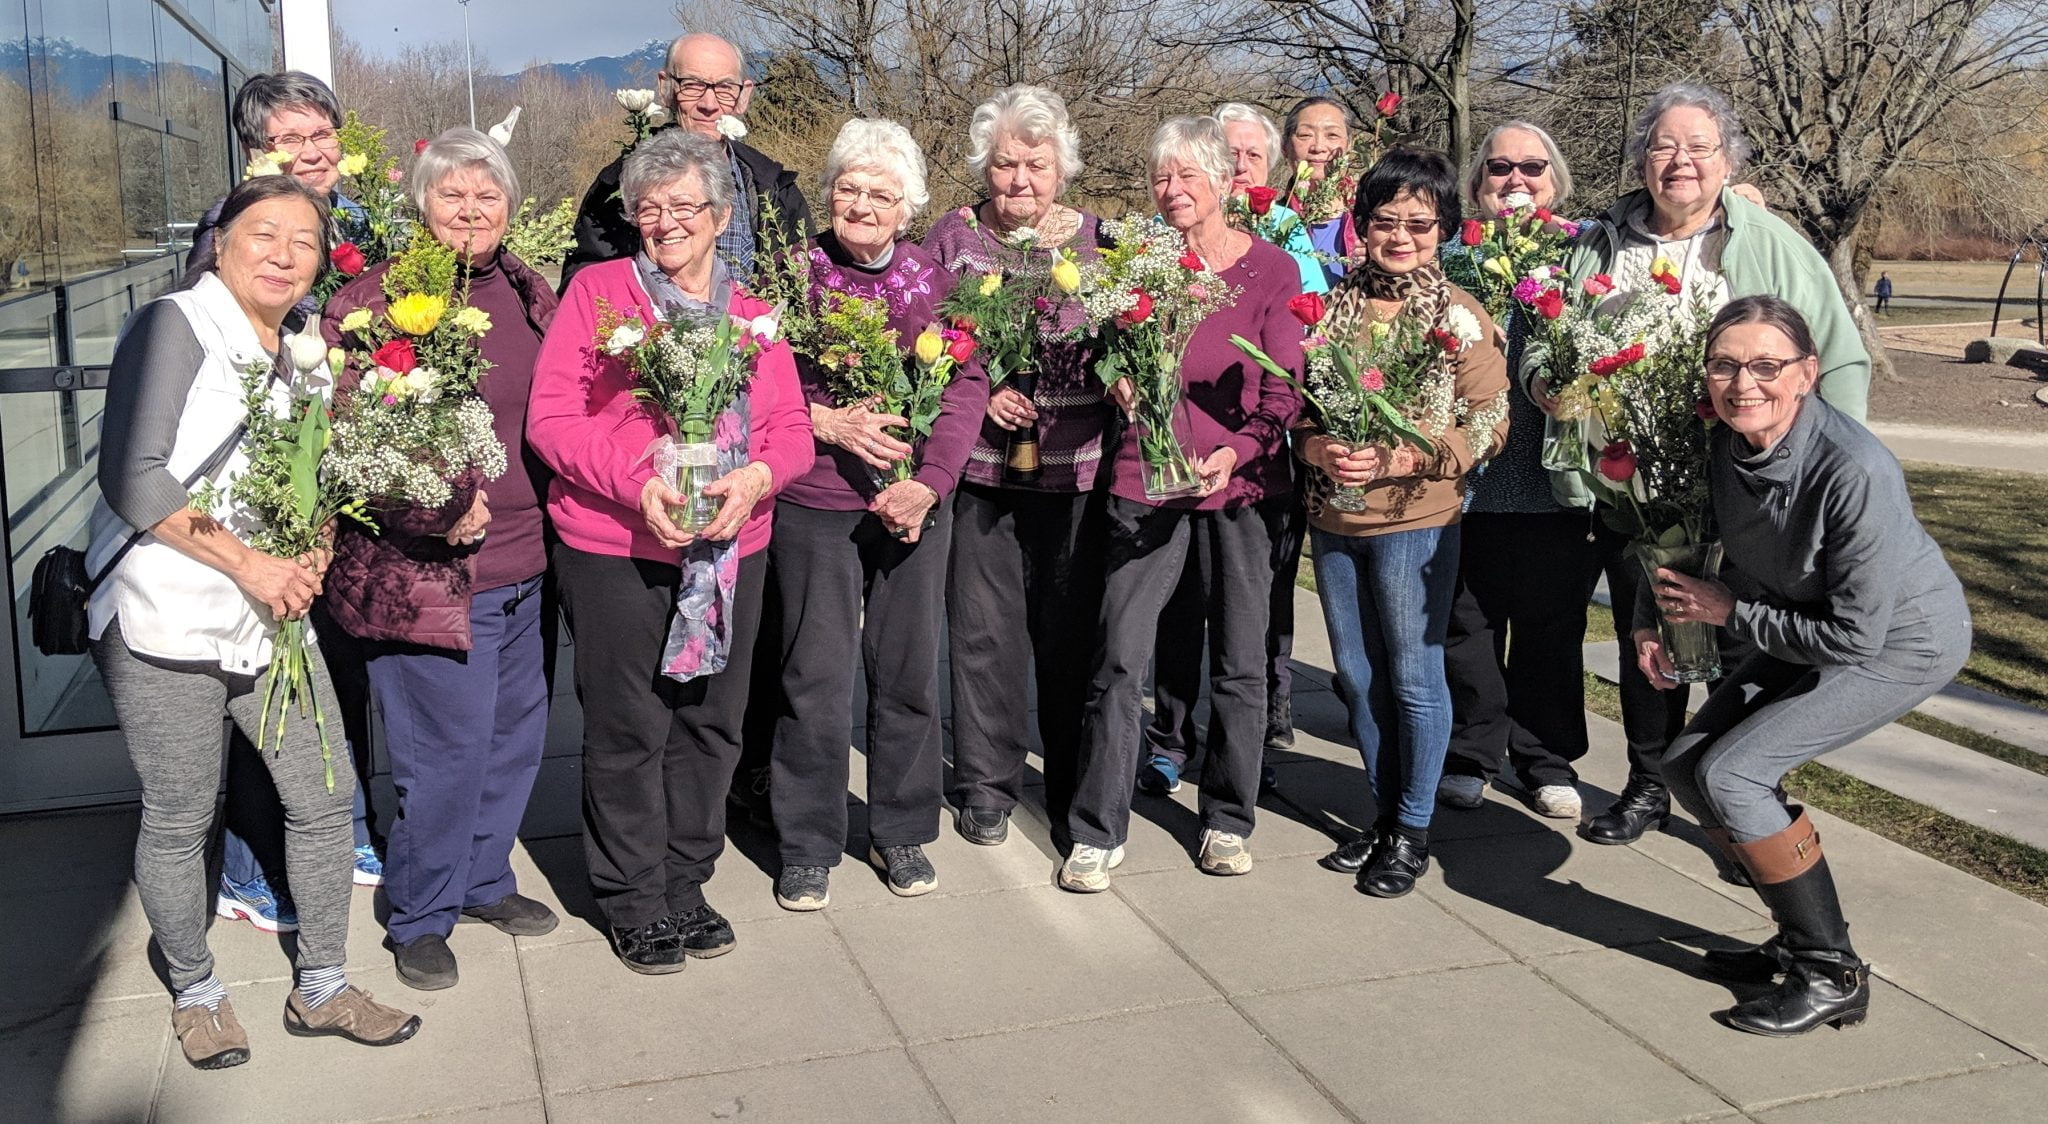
(1231, 553)
(830, 566)
(657, 754)
(1177, 659)
(1023, 594)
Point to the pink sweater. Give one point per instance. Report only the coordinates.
(582, 420)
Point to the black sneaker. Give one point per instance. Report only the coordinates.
(516, 914)
(910, 873)
(426, 963)
(803, 888)
(654, 949)
(705, 934)
(986, 826)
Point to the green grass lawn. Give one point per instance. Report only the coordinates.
(1993, 529)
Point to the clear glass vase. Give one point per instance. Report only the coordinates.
(1565, 445)
(1693, 647)
(696, 464)
(1167, 459)
(1347, 499)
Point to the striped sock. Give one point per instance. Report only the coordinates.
(318, 985)
(206, 993)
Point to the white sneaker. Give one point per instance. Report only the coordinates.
(1558, 801)
(1224, 853)
(1086, 870)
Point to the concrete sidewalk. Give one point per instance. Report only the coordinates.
(1533, 976)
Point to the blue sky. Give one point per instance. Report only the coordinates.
(510, 33)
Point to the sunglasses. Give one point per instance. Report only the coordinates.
(1530, 168)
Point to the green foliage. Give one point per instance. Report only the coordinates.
(389, 220)
(542, 238)
(426, 266)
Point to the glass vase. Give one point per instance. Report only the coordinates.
(1693, 647)
(1347, 499)
(696, 464)
(1165, 456)
(1565, 445)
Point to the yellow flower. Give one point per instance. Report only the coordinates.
(1500, 267)
(1662, 266)
(930, 345)
(1066, 275)
(268, 164)
(991, 283)
(415, 314)
(474, 321)
(1523, 244)
(336, 358)
(353, 164)
(1381, 329)
(356, 321)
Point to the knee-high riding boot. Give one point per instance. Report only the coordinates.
(1824, 980)
(1757, 963)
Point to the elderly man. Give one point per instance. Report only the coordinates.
(704, 83)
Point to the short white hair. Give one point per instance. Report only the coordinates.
(671, 156)
(1198, 141)
(1237, 112)
(873, 144)
(458, 148)
(1032, 114)
(1560, 173)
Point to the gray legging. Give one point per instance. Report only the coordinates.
(1768, 718)
(170, 713)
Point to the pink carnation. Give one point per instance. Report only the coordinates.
(1372, 379)
(1527, 289)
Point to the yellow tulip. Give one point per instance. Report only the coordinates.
(1067, 276)
(930, 345)
(335, 359)
(1500, 267)
(353, 164)
(990, 284)
(415, 314)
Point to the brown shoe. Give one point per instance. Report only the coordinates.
(352, 1015)
(211, 1039)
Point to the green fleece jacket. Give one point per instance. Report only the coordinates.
(1763, 256)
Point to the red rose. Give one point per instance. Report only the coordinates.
(1550, 302)
(396, 356)
(1191, 261)
(961, 349)
(1472, 233)
(1371, 379)
(1448, 342)
(1618, 462)
(1139, 313)
(1705, 409)
(1308, 308)
(419, 146)
(1388, 104)
(1260, 199)
(347, 258)
(1598, 285)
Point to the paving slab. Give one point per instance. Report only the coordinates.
(786, 993)
(879, 1086)
(2011, 722)
(1655, 994)
(96, 1062)
(61, 946)
(951, 966)
(2017, 1092)
(97, 845)
(1410, 1049)
(1334, 798)
(1096, 1071)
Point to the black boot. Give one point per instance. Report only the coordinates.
(1824, 980)
(1401, 857)
(1644, 804)
(1729, 864)
(1755, 964)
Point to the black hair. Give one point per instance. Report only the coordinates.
(247, 194)
(1774, 311)
(1426, 172)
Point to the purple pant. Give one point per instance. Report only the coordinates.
(465, 731)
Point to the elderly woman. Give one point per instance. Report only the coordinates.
(1386, 573)
(1513, 652)
(1318, 134)
(1687, 144)
(1238, 416)
(1854, 619)
(185, 614)
(861, 566)
(296, 114)
(446, 601)
(1024, 583)
(660, 737)
(1177, 663)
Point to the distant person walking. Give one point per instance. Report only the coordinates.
(1884, 292)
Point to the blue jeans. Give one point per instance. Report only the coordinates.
(1387, 601)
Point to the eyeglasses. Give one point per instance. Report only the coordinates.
(1416, 228)
(1529, 168)
(693, 89)
(1765, 369)
(681, 210)
(1666, 153)
(293, 142)
(880, 200)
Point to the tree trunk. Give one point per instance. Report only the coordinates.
(1841, 258)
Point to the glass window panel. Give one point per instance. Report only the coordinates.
(21, 221)
(28, 333)
(195, 101)
(94, 327)
(75, 147)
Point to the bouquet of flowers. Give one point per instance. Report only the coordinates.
(642, 116)
(1144, 297)
(1003, 311)
(1320, 200)
(542, 238)
(1582, 338)
(414, 423)
(1252, 213)
(690, 367)
(865, 365)
(1495, 254)
(370, 176)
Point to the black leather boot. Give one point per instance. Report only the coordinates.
(1400, 859)
(1644, 804)
(1824, 980)
(1755, 964)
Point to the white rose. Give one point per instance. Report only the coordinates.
(634, 101)
(308, 351)
(1516, 200)
(1462, 324)
(624, 338)
(731, 128)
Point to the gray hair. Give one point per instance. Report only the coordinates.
(1234, 112)
(883, 146)
(1560, 172)
(1032, 114)
(458, 148)
(670, 155)
(1197, 140)
(1682, 95)
(266, 94)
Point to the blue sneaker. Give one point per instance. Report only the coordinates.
(253, 902)
(1159, 776)
(369, 868)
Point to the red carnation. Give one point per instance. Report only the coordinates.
(1543, 215)
(961, 349)
(1705, 409)
(1670, 282)
(964, 323)
(347, 258)
(1550, 302)
(1191, 261)
(1472, 233)
(1607, 365)
(1308, 308)
(396, 356)
(1388, 104)
(1139, 313)
(1371, 379)
(419, 146)
(1598, 285)
(1260, 199)
(1618, 462)
(1448, 342)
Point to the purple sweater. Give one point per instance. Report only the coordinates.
(1232, 400)
(912, 285)
(1072, 412)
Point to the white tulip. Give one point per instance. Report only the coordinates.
(308, 351)
(634, 101)
(502, 131)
